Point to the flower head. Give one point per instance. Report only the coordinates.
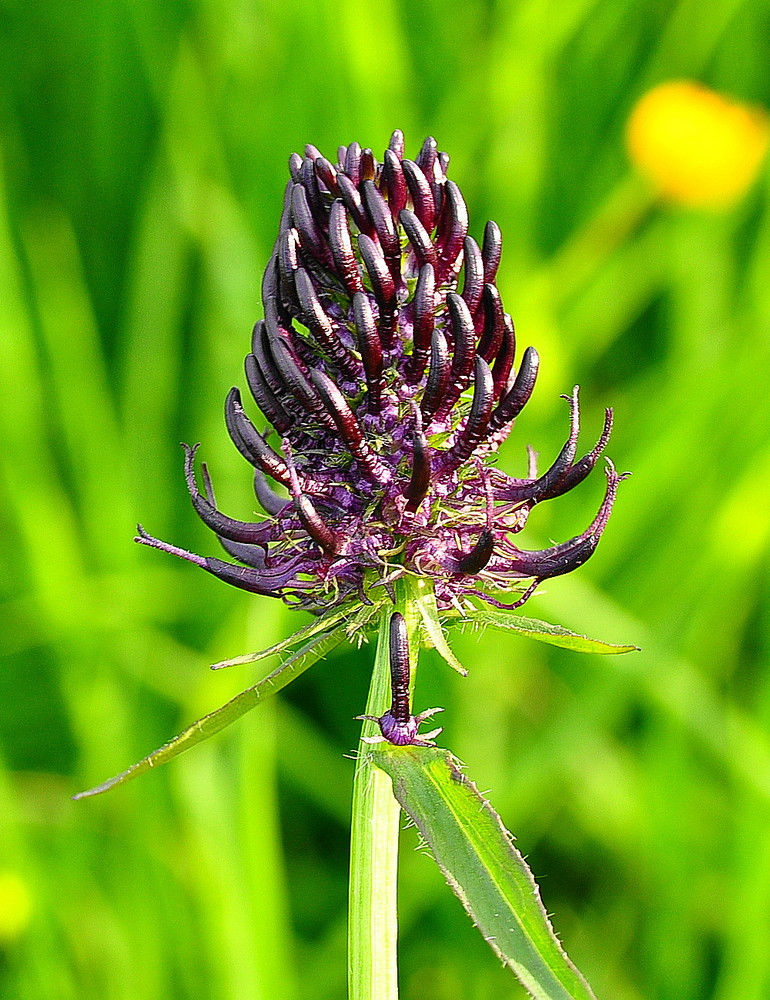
(388, 385)
(698, 147)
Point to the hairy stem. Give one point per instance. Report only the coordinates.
(372, 910)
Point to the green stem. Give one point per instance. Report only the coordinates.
(376, 819)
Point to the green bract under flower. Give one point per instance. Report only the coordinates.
(388, 383)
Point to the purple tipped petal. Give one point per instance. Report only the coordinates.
(491, 250)
(396, 143)
(394, 182)
(205, 507)
(354, 205)
(381, 219)
(327, 174)
(426, 158)
(250, 442)
(421, 194)
(464, 354)
(478, 557)
(493, 330)
(342, 248)
(501, 369)
(478, 420)
(424, 320)
(438, 376)
(564, 558)
(370, 346)
(310, 237)
(264, 397)
(514, 401)
(453, 228)
(473, 284)
(353, 163)
(348, 427)
(419, 484)
(271, 502)
(417, 235)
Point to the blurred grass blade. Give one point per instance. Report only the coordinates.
(222, 717)
(476, 854)
(425, 600)
(554, 635)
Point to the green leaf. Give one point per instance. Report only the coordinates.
(477, 856)
(425, 600)
(324, 623)
(220, 718)
(556, 635)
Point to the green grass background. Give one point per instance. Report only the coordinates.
(144, 150)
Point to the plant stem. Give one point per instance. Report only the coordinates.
(372, 911)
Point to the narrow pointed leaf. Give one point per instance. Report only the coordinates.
(477, 856)
(222, 717)
(324, 623)
(426, 603)
(555, 635)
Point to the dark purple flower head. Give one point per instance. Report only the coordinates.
(388, 383)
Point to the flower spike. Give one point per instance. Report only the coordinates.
(384, 367)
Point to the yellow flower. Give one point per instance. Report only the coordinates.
(15, 906)
(698, 147)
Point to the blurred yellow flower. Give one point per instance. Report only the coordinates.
(698, 147)
(15, 906)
